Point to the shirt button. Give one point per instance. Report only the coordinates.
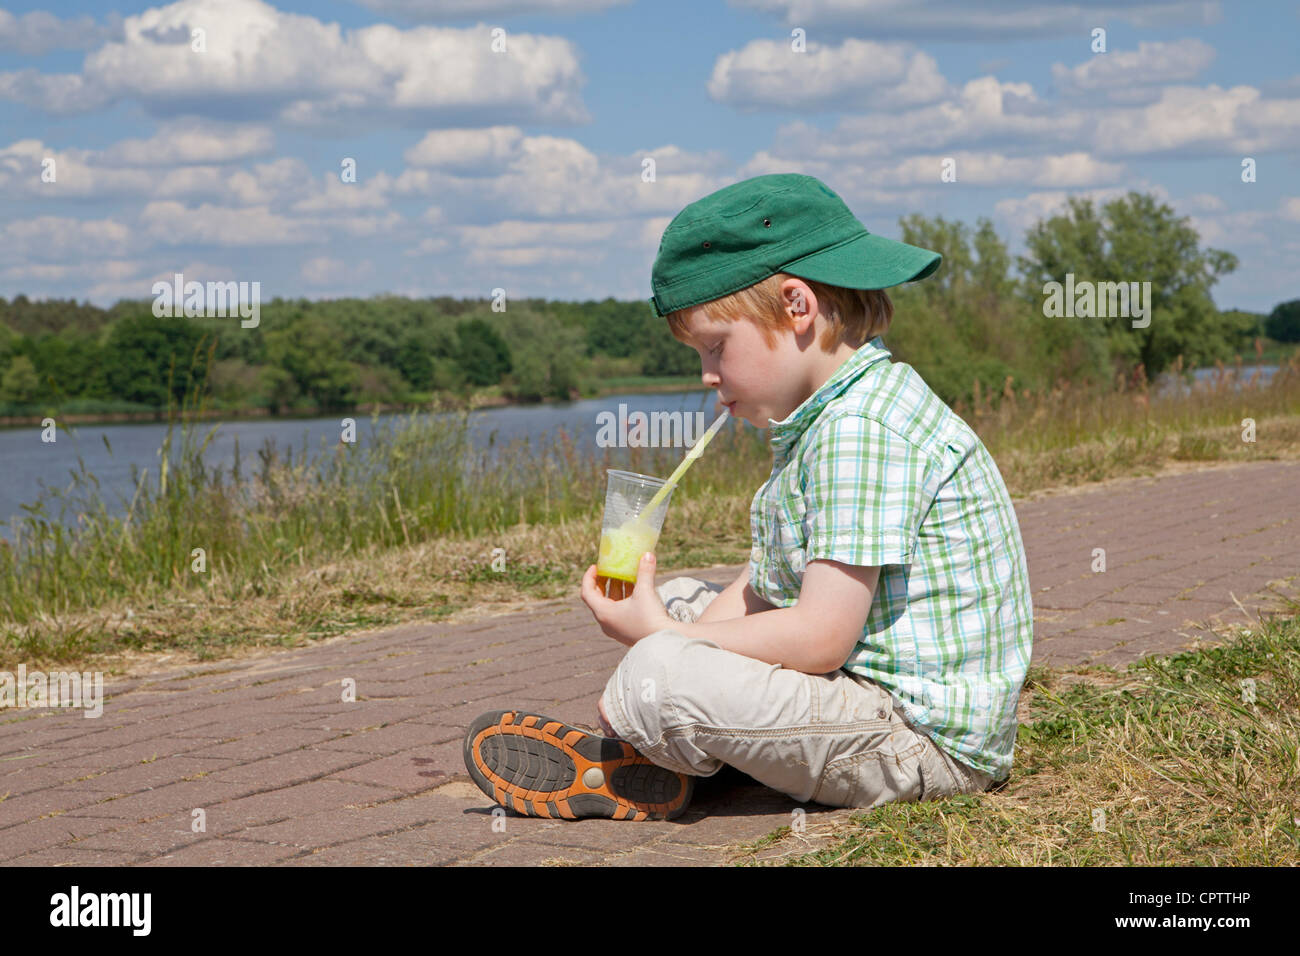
(756, 553)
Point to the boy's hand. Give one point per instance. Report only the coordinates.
(633, 618)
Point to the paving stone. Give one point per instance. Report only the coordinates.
(36, 835)
(265, 743)
(39, 803)
(217, 851)
(522, 853)
(665, 854)
(145, 840)
(383, 817)
(182, 796)
(390, 739)
(287, 769)
(293, 785)
(72, 856)
(424, 846)
(226, 817)
(411, 770)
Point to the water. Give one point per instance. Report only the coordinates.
(1203, 377)
(27, 464)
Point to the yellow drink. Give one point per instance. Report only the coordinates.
(621, 549)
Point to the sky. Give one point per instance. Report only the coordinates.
(542, 146)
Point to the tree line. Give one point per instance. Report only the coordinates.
(979, 318)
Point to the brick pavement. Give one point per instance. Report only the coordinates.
(285, 772)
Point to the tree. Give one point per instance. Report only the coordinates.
(312, 352)
(482, 353)
(969, 322)
(615, 328)
(143, 352)
(19, 383)
(1135, 238)
(660, 353)
(1283, 323)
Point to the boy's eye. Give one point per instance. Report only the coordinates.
(716, 349)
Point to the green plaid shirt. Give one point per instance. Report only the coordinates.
(874, 469)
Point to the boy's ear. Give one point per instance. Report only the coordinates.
(800, 301)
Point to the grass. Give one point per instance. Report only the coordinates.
(404, 524)
(1068, 437)
(1179, 761)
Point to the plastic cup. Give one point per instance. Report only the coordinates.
(626, 533)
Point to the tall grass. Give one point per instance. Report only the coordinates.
(402, 482)
(405, 518)
(1067, 435)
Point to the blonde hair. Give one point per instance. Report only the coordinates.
(853, 316)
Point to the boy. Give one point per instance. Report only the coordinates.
(875, 646)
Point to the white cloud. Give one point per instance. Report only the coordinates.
(78, 271)
(1202, 202)
(38, 32)
(533, 256)
(139, 284)
(262, 62)
(327, 271)
(995, 169)
(448, 9)
(984, 110)
(769, 74)
(78, 175)
(59, 238)
(57, 93)
(367, 193)
(428, 246)
(962, 20)
(1020, 213)
(190, 141)
(1131, 76)
(467, 152)
(1234, 229)
(512, 233)
(173, 223)
(1206, 120)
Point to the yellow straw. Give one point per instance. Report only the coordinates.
(694, 453)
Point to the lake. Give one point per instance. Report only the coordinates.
(27, 464)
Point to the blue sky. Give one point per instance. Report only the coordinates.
(522, 169)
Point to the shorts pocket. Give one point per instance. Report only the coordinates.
(871, 777)
(937, 777)
(841, 699)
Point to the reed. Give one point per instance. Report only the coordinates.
(403, 523)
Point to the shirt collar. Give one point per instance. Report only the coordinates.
(784, 433)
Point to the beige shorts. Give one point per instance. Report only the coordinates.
(837, 739)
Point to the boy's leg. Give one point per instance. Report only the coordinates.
(690, 706)
(685, 599)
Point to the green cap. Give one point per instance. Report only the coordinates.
(782, 222)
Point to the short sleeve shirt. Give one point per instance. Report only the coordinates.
(874, 469)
